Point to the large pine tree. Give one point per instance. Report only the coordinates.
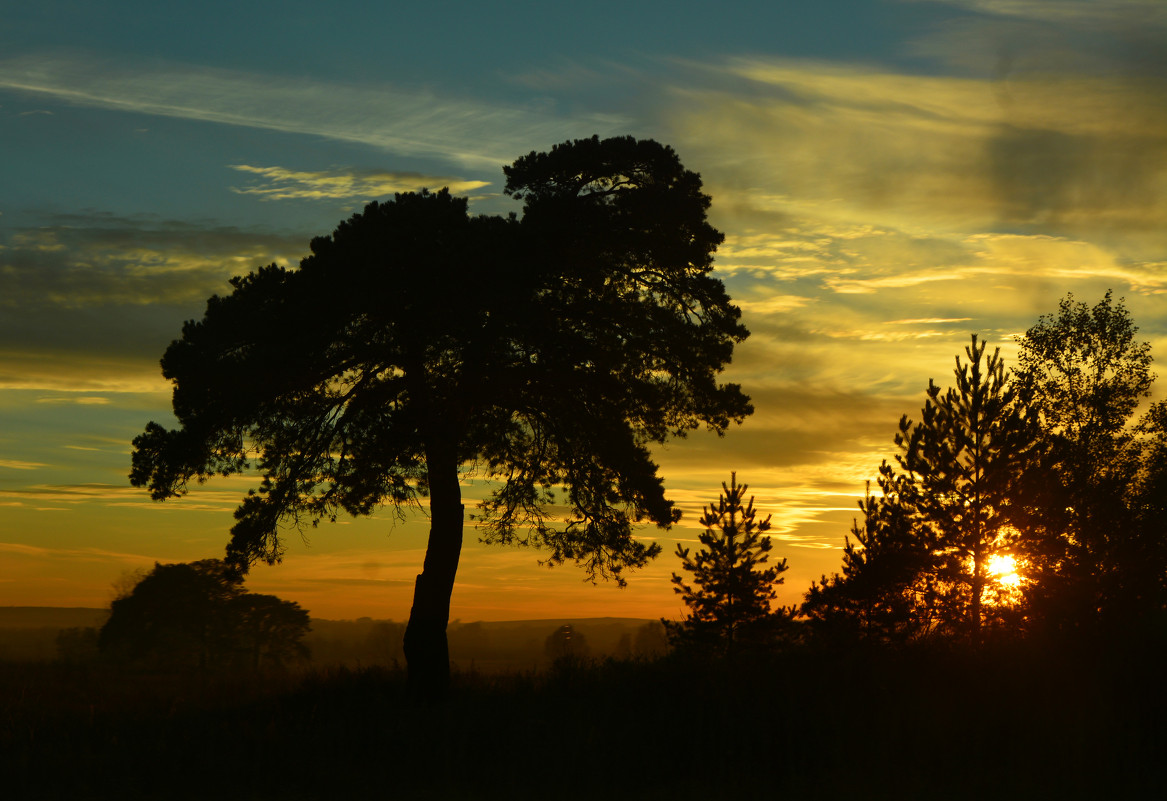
(733, 581)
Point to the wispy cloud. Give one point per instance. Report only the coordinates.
(1093, 12)
(463, 129)
(68, 495)
(16, 464)
(78, 400)
(280, 183)
(83, 260)
(1074, 155)
(87, 554)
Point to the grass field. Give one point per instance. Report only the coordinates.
(1004, 723)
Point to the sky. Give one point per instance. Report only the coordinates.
(891, 176)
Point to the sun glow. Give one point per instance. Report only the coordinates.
(1003, 568)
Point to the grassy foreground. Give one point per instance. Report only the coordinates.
(1010, 722)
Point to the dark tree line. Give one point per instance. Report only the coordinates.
(1047, 468)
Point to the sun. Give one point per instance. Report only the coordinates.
(1003, 568)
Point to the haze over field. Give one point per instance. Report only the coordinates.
(890, 177)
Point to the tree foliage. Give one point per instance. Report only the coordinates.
(198, 615)
(733, 586)
(920, 560)
(1096, 547)
(887, 590)
(546, 352)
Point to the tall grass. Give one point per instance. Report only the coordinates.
(1008, 722)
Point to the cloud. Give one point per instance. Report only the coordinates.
(409, 122)
(88, 259)
(280, 183)
(79, 400)
(201, 499)
(89, 301)
(72, 368)
(16, 464)
(1084, 12)
(85, 554)
(844, 145)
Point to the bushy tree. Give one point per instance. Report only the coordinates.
(546, 352)
(1097, 548)
(198, 615)
(732, 590)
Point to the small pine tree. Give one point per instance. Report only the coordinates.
(733, 587)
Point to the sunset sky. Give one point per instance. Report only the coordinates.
(890, 176)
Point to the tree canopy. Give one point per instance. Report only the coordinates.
(197, 614)
(1095, 547)
(548, 351)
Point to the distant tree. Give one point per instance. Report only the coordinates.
(1097, 556)
(547, 352)
(78, 645)
(171, 617)
(566, 643)
(650, 641)
(732, 587)
(198, 615)
(268, 631)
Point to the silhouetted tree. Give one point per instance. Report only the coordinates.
(197, 614)
(267, 630)
(966, 459)
(920, 560)
(548, 352)
(888, 589)
(171, 617)
(1095, 561)
(566, 643)
(730, 598)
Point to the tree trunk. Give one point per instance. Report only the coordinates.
(427, 653)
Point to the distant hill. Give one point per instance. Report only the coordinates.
(29, 633)
(54, 617)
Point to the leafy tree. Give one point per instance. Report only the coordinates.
(730, 598)
(546, 352)
(888, 589)
(920, 561)
(172, 616)
(1098, 551)
(197, 614)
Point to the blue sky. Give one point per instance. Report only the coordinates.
(890, 176)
